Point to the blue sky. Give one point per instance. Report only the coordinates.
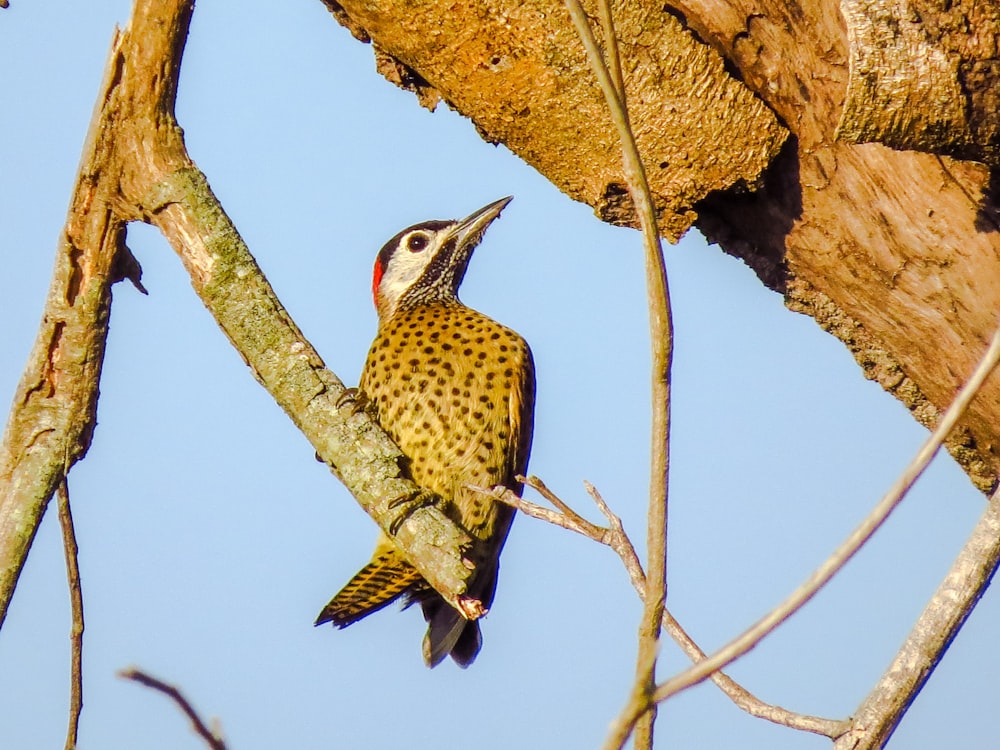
(210, 537)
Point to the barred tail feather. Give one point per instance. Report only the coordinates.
(380, 582)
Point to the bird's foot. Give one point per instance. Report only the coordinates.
(355, 398)
(406, 505)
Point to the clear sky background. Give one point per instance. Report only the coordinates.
(210, 537)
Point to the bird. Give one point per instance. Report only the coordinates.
(456, 391)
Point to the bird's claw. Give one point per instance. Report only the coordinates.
(406, 505)
(355, 397)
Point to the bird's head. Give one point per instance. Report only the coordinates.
(425, 263)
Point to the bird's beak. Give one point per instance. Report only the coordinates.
(470, 230)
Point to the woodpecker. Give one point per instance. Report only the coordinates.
(455, 390)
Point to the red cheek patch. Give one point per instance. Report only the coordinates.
(377, 279)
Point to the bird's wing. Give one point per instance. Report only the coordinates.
(522, 419)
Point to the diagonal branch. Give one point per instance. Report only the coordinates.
(615, 537)
(53, 413)
(753, 635)
(135, 167)
(174, 195)
(883, 708)
(212, 738)
(235, 291)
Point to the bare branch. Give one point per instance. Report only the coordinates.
(616, 538)
(361, 454)
(611, 54)
(661, 338)
(746, 700)
(76, 607)
(53, 412)
(542, 489)
(752, 636)
(177, 199)
(619, 541)
(212, 739)
(881, 711)
(572, 522)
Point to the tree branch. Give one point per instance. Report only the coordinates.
(76, 609)
(364, 458)
(176, 198)
(615, 537)
(53, 413)
(661, 338)
(881, 711)
(136, 167)
(751, 637)
(212, 739)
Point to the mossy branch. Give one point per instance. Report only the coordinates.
(135, 167)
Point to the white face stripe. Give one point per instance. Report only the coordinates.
(427, 261)
(406, 266)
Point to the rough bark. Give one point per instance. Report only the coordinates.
(896, 252)
(520, 72)
(54, 409)
(924, 75)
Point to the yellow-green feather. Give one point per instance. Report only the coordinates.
(455, 390)
(381, 581)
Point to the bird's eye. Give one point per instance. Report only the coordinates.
(416, 243)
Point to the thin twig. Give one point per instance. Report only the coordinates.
(542, 489)
(72, 552)
(212, 739)
(661, 339)
(752, 636)
(617, 539)
(555, 517)
(879, 714)
(746, 700)
(611, 55)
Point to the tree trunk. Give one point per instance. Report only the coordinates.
(763, 126)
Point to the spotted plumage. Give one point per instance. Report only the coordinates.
(455, 390)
